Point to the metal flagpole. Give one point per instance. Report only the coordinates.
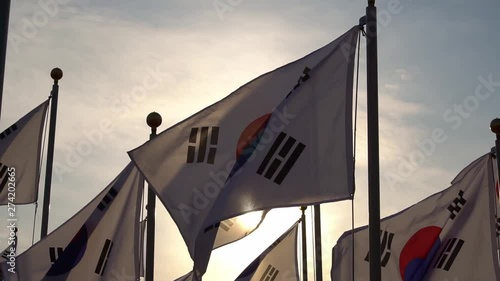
(317, 241)
(373, 141)
(4, 31)
(154, 121)
(495, 128)
(56, 74)
(304, 243)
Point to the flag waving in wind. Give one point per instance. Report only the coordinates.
(99, 243)
(188, 164)
(20, 150)
(186, 277)
(448, 236)
(304, 161)
(277, 262)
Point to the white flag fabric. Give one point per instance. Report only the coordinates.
(142, 240)
(98, 243)
(186, 277)
(448, 236)
(188, 164)
(231, 229)
(277, 262)
(304, 160)
(20, 150)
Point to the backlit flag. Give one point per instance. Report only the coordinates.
(20, 150)
(142, 241)
(278, 262)
(189, 163)
(304, 161)
(448, 236)
(186, 277)
(100, 242)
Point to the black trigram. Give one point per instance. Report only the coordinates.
(55, 253)
(4, 177)
(201, 145)
(275, 243)
(301, 79)
(225, 225)
(385, 246)
(103, 259)
(457, 205)
(7, 252)
(449, 254)
(288, 154)
(106, 201)
(8, 131)
(270, 274)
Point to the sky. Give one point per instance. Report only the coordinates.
(439, 87)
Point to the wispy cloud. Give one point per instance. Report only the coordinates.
(404, 74)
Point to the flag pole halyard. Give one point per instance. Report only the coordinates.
(373, 141)
(56, 74)
(317, 241)
(154, 121)
(304, 243)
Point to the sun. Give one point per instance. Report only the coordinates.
(250, 220)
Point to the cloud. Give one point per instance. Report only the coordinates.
(391, 87)
(106, 50)
(105, 58)
(404, 74)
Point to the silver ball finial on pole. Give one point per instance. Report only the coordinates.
(495, 126)
(56, 74)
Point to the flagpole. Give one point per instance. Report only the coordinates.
(304, 243)
(373, 141)
(154, 121)
(317, 241)
(56, 74)
(495, 128)
(4, 19)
